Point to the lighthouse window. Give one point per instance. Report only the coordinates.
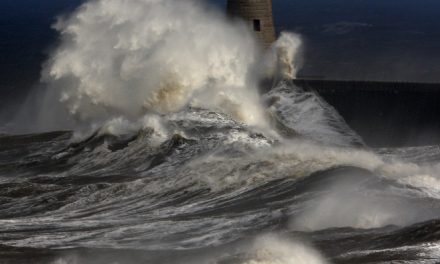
(257, 25)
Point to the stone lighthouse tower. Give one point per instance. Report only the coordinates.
(258, 13)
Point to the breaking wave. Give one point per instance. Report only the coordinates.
(130, 58)
(183, 161)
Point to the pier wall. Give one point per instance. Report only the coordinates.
(385, 113)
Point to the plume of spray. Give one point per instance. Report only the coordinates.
(131, 57)
(127, 58)
(282, 60)
(286, 52)
(119, 60)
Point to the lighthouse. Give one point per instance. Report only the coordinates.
(258, 14)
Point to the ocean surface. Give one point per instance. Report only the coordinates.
(158, 144)
(213, 190)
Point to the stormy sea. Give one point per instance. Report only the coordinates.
(162, 133)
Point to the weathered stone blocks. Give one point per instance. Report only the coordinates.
(258, 14)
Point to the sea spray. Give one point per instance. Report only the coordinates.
(286, 49)
(127, 58)
(283, 59)
(121, 58)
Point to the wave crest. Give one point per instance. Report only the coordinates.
(132, 57)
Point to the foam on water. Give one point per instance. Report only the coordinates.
(272, 249)
(308, 114)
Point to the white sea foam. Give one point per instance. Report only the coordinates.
(272, 249)
(128, 58)
(309, 115)
(132, 57)
(349, 203)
